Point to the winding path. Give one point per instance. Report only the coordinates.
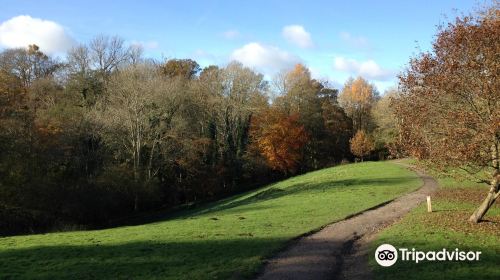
(340, 250)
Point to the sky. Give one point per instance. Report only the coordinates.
(335, 39)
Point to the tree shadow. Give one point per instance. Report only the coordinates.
(269, 193)
(275, 192)
(199, 259)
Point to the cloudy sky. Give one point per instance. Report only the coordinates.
(335, 39)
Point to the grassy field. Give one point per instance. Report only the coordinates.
(446, 227)
(226, 239)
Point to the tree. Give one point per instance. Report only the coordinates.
(361, 144)
(107, 53)
(357, 98)
(28, 64)
(102, 55)
(449, 101)
(91, 65)
(185, 68)
(385, 121)
(280, 139)
(136, 117)
(300, 94)
(338, 131)
(242, 94)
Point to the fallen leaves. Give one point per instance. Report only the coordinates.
(455, 219)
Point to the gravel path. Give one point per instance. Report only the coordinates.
(340, 250)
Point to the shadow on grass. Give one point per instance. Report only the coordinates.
(199, 259)
(267, 193)
(275, 191)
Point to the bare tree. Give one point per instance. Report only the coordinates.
(135, 54)
(136, 115)
(78, 59)
(107, 53)
(28, 64)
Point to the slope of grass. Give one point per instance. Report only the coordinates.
(221, 240)
(446, 227)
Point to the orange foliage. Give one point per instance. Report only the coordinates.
(361, 144)
(362, 91)
(279, 139)
(298, 72)
(357, 99)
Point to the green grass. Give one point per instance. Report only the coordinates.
(446, 227)
(451, 177)
(226, 239)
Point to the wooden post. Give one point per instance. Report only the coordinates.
(429, 205)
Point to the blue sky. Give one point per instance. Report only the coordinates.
(336, 39)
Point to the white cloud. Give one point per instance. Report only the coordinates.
(297, 35)
(267, 59)
(355, 41)
(231, 34)
(148, 45)
(325, 77)
(316, 73)
(21, 31)
(368, 69)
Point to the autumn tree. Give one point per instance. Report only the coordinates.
(185, 68)
(357, 99)
(40, 135)
(361, 144)
(280, 139)
(28, 64)
(13, 119)
(449, 101)
(243, 92)
(298, 93)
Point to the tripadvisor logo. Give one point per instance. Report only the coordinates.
(387, 255)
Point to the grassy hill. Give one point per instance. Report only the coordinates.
(229, 238)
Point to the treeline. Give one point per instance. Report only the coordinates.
(107, 133)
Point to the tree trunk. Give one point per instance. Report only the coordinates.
(488, 201)
(136, 202)
(150, 165)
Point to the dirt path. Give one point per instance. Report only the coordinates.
(340, 250)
